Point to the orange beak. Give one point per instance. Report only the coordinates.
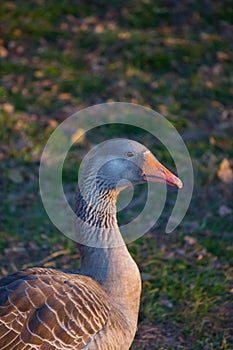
(154, 171)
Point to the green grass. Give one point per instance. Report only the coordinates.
(66, 56)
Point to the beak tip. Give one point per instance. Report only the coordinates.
(179, 183)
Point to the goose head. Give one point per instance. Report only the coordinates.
(119, 163)
(106, 170)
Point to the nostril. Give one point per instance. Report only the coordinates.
(163, 171)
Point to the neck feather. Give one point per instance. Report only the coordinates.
(104, 255)
(96, 222)
(96, 207)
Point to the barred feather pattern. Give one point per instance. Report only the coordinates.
(46, 309)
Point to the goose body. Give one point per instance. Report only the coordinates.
(95, 308)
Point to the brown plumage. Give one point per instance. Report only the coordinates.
(51, 309)
(95, 308)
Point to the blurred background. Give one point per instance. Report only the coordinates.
(174, 57)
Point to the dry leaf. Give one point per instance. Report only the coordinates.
(222, 56)
(8, 108)
(52, 123)
(3, 52)
(163, 109)
(190, 240)
(225, 172)
(78, 136)
(65, 96)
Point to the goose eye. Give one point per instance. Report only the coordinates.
(130, 154)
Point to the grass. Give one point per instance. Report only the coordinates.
(60, 58)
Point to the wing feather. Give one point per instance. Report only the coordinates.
(50, 309)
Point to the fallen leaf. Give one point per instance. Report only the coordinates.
(52, 123)
(78, 136)
(8, 108)
(124, 35)
(65, 96)
(222, 56)
(225, 172)
(163, 109)
(3, 52)
(190, 240)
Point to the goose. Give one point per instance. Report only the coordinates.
(96, 307)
